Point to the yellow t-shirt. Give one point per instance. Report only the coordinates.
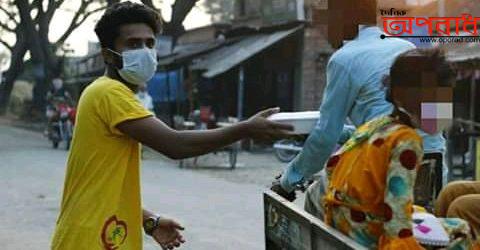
(101, 205)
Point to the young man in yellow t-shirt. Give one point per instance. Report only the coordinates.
(101, 205)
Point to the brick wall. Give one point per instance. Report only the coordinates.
(315, 58)
(316, 53)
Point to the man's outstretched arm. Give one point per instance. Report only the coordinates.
(183, 144)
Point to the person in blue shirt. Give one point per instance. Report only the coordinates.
(355, 90)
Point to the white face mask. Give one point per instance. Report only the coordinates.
(436, 116)
(139, 65)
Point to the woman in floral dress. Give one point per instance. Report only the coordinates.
(371, 178)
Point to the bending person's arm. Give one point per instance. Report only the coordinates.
(347, 132)
(337, 102)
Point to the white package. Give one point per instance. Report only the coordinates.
(303, 122)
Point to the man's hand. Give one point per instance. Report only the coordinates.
(167, 234)
(277, 188)
(260, 128)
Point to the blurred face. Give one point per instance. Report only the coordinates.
(430, 105)
(344, 18)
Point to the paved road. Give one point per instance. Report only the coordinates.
(221, 209)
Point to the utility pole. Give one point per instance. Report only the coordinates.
(241, 87)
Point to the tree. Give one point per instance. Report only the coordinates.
(17, 53)
(221, 11)
(3, 59)
(180, 10)
(29, 22)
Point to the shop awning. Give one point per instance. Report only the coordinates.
(227, 57)
(183, 53)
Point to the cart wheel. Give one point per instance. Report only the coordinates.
(285, 155)
(232, 157)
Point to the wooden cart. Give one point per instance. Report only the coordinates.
(288, 227)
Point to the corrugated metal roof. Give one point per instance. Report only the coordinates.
(227, 57)
(183, 52)
(461, 52)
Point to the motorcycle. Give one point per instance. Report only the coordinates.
(61, 126)
(286, 150)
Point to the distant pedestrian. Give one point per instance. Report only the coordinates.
(57, 94)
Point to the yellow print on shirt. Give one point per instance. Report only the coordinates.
(114, 233)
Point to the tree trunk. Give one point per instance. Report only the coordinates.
(32, 35)
(15, 69)
(39, 96)
(42, 54)
(10, 75)
(48, 71)
(111, 2)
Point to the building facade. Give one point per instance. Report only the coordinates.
(314, 50)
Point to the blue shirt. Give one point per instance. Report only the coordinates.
(355, 75)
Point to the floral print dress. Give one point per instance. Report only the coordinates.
(371, 180)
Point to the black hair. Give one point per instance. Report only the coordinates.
(412, 68)
(107, 28)
(409, 67)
